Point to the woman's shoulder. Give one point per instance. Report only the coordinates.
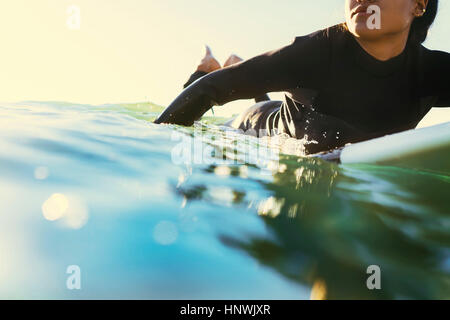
(435, 68)
(336, 32)
(435, 56)
(435, 61)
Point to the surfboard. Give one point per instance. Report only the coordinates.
(425, 149)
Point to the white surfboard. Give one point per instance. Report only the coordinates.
(425, 149)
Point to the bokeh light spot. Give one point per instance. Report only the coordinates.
(55, 207)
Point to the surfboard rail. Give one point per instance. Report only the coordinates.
(424, 148)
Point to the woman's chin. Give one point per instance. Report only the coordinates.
(361, 31)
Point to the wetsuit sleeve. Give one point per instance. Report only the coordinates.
(436, 84)
(302, 63)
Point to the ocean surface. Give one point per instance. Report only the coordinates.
(97, 202)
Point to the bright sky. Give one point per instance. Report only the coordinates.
(144, 50)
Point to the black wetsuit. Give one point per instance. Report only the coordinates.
(336, 92)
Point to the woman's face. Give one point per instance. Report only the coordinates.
(395, 17)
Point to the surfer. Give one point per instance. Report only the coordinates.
(343, 84)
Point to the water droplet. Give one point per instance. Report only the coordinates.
(41, 173)
(165, 233)
(222, 171)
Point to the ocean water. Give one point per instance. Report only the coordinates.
(144, 211)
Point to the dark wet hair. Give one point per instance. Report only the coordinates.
(420, 25)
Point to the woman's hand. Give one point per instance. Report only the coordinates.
(188, 107)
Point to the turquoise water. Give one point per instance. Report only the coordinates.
(102, 188)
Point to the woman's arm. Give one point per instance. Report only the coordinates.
(301, 63)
